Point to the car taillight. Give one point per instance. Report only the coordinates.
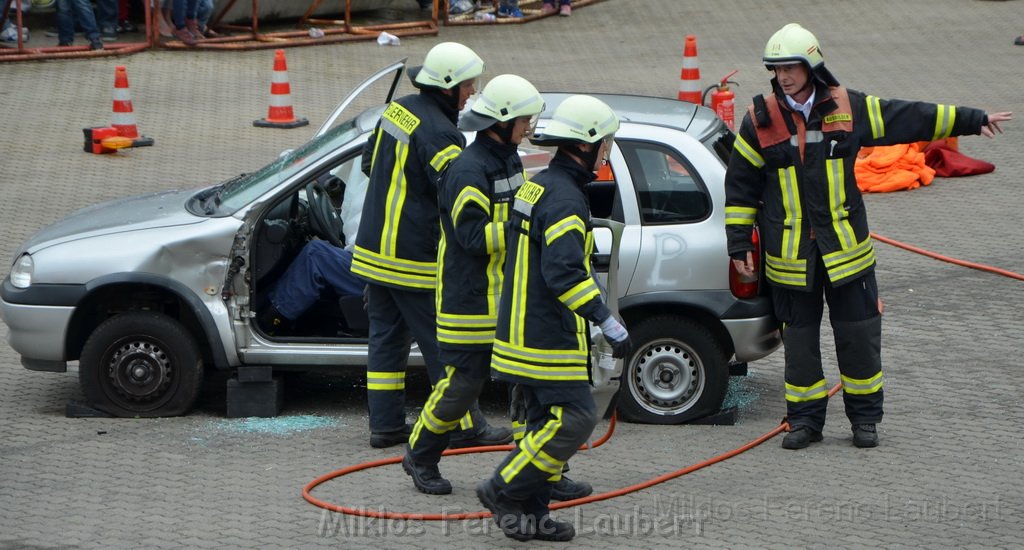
(745, 286)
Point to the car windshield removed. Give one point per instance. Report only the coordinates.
(233, 194)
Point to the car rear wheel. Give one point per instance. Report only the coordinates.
(141, 364)
(678, 372)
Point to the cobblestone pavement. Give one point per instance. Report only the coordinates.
(947, 473)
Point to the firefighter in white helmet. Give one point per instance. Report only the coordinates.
(792, 174)
(474, 196)
(541, 342)
(396, 245)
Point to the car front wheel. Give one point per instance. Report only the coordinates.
(141, 364)
(677, 373)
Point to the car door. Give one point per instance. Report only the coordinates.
(340, 140)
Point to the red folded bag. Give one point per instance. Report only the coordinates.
(948, 163)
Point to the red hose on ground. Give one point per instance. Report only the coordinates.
(569, 503)
(611, 428)
(940, 257)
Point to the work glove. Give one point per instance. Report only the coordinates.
(617, 336)
(517, 404)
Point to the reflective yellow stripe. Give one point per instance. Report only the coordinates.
(517, 326)
(794, 213)
(466, 328)
(837, 203)
(862, 386)
(563, 226)
(748, 152)
(581, 293)
(395, 201)
(427, 417)
(530, 444)
(378, 380)
(444, 156)
(467, 195)
(843, 264)
(518, 430)
(784, 271)
(466, 423)
(379, 267)
(799, 394)
(537, 364)
(875, 118)
(945, 116)
(740, 215)
(494, 237)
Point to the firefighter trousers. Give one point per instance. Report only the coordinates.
(857, 328)
(452, 398)
(397, 317)
(558, 421)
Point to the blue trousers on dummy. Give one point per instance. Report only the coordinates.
(318, 266)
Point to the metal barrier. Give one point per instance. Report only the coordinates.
(250, 37)
(531, 12)
(23, 53)
(336, 31)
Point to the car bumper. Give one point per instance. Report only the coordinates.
(758, 336)
(36, 330)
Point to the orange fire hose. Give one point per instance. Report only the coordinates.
(784, 426)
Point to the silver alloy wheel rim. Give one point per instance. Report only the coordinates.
(667, 377)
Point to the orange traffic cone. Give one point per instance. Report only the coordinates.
(280, 114)
(689, 78)
(124, 116)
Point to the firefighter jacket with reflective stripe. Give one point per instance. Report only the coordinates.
(475, 196)
(795, 178)
(549, 290)
(396, 244)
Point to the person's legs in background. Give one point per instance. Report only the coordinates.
(106, 18)
(70, 11)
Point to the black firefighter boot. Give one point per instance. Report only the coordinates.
(859, 351)
(803, 368)
(508, 514)
(426, 477)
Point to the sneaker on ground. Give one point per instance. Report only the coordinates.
(548, 9)
(95, 44)
(109, 33)
(510, 13)
(565, 10)
(457, 7)
(184, 35)
(126, 26)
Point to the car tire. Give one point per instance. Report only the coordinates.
(141, 364)
(678, 372)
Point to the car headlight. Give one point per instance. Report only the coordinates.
(21, 272)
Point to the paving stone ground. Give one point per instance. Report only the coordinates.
(946, 475)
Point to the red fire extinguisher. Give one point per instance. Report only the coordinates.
(722, 101)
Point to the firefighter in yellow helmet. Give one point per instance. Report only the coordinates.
(542, 339)
(396, 245)
(792, 174)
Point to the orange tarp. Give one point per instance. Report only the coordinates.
(892, 168)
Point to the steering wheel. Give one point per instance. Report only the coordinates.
(324, 219)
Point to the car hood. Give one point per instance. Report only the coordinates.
(163, 209)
